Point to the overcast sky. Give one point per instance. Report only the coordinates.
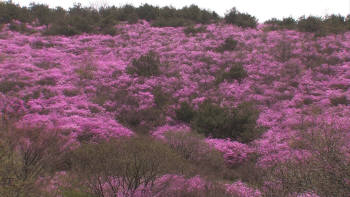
(262, 9)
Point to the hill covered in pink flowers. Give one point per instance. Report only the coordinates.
(274, 104)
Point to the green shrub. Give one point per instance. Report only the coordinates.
(205, 160)
(161, 98)
(71, 92)
(171, 22)
(229, 45)
(61, 27)
(195, 14)
(86, 71)
(126, 11)
(109, 30)
(147, 12)
(191, 30)
(107, 25)
(339, 100)
(236, 72)
(311, 24)
(142, 121)
(286, 23)
(168, 12)
(147, 65)
(124, 164)
(48, 81)
(240, 19)
(185, 113)
(10, 11)
(335, 24)
(245, 116)
(7, 85)
(238, 123)
(20, 27)
(41, 12)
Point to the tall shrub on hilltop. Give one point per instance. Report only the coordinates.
(10, 11)
(240, 19)
(311, 24)
(42, 13)
(147, 12)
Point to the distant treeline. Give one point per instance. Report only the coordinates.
(78, 19)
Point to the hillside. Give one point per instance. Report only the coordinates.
(272, 101)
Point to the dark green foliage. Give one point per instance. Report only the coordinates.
(171, 17)
(41, 12)
(307, 101)
(240, 19)
(310, 24)
(185, 113)
(191, 30)
(170, 22)
(212, 120)
(321, 26)
(147, 65)
(61, 28)
(7, 85)
(147, 12)
(238, 123)
(126, 12)
(229, 45)
(285, 23)
(236, 72)
(10, 11)
(142, 121)
(49, 81)
(161, 98)
(195, 14)
(339, 100)
(71, 92)
(78, 20)
(245, 116)
(20, 27)
(335, 24)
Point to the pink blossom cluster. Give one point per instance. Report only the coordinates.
(234, 152)
(242, 190)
